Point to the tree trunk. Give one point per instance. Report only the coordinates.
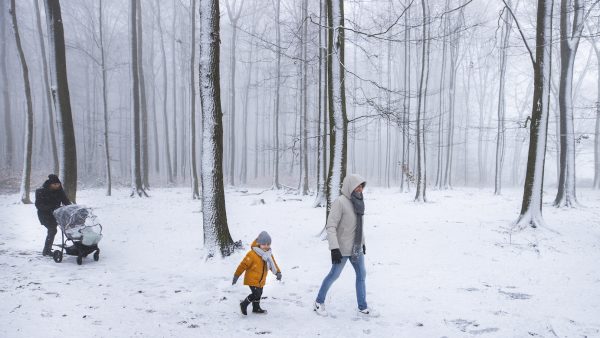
(216, 231)
(194, 173)
(500, 137)
(47, 90)
(62, 100)
(174, 91)
(165, 95)
(143, 101)
(420, 195)
(104, 103)
(233, 18)
(137, 186)
(8, 137)
(305, 96)
(276, 184)
(569, 42)
(596, 184)
(26, 176)
(338, 128)
(531, 209)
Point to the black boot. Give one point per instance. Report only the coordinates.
(47, 252)
(244, 306)
(256, 308)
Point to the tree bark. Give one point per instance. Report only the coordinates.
(165, 95)
(276, 184)
(62, 100)
(500, 137)
(143, 101)
(8, 137)
(216, 231)
(420, 195)
(194, 172)
(104, 102)
(338, 128)
(531, 209)
(47, 90)
(26, 176)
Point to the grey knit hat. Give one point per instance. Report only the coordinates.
(263, 238)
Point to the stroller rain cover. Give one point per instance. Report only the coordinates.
(78, 222)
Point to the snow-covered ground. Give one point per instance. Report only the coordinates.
(450, 267)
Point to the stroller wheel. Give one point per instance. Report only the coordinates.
(97, 255)
(57, 256)
(79, 260)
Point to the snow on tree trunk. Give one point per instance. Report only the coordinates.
(194, 171)
(8, 137)
(104, 101)
(421, 183)
(26, 176)
(305, 95)
(531, 209)
(570, 36)
(338, 128)
(62, 101)
(136, 173)
(216, 231)
(47, 92)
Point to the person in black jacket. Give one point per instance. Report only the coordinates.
(47, 199)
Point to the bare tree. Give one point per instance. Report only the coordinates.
(26, 176)
(571, 27)
(165, 95)
(305, 96)
(104, 99)
(216, 231)
(276, 184)
(47, 92)
(194, 172)
(143, 101)
(8, 137)
(137, 186)
(596, 184)
(234, 16)
(336, 95)
(421, 110)
(62, 101)
(531, 209)
(500, 137)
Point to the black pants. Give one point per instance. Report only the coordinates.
(50, 237)
(255, 296)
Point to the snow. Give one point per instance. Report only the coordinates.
(445, 268)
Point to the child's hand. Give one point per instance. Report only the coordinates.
(235, 278)
(278, 276)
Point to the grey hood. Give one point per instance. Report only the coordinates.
(351, 181)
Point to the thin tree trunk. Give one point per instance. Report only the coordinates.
(47, 90)
(26, 176)
(305, 92)
(276, 183)
(137, 186)
(596, 184)
(216, 231)
(233, 18)
(143, 101)
(421, 104)
(194, 173)
(104, 102)
(165, 95)
(8, 137)
(569, 43)
(62, 100)
(531, 209)
(174, 92)
(500, 137)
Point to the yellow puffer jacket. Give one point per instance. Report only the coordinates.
(255, 267)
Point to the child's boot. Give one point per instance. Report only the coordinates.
(244, 306)
(256, 308)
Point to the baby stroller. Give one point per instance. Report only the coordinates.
(80, 226)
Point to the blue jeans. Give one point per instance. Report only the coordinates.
(336, 270)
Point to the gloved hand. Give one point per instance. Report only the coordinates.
(278, 275)
(235, 278)
(336, 256)
(364, 250)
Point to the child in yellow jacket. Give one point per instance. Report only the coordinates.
(256, 264)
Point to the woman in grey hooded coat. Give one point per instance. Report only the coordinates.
(345, 235)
